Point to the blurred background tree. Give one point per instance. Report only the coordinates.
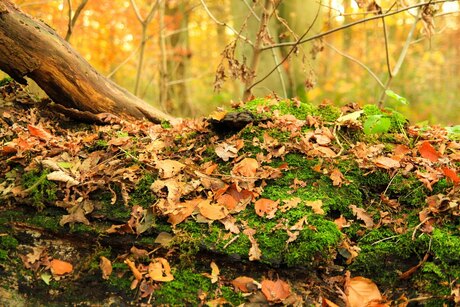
(183, 44)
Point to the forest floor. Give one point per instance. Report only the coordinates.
(274, 203)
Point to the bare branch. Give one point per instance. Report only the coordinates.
(351, 24)
(73, 20)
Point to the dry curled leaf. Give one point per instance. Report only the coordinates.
(169, 168)
(245, 284)
(212, 211)
(361, 214)
(316, 206)
(266, 207)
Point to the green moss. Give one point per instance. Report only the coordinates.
(186, 287)
(8, 242)
(396, 119)
(328, 113)
(41, 190)
(142, 195)
(5, 81)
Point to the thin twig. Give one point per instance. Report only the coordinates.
(357, 62)
(238, 34)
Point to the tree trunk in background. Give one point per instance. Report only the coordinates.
(178, 61)
(30, 48)
(299, 15)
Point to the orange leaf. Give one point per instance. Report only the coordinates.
(266, 207)
(39, 133)
(59, 267)
(106, 267)
(184, 211)
(132, 266)
(169, 168)
(159, 270)
(247, 167)
(361, 291)
(428, 152)
(336, 177)
(451, 174)
(212, 211)
(244, 284)
(275, 290)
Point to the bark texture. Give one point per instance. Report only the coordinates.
(30, 48)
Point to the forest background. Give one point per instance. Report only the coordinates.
(170, 52)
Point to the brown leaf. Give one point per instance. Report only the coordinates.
(361, 214)
(336, 177)
(183, 211)
(254, 252)
(245, 284)
(316, 206)
(341, 222)
(106, 267)
(212, 211)
(164, 239)
(62, 177)
(275, 291)
(226, 151)
(386, 163)
(361, 291)
(266, 207)
(169, 168)
(59, 267)
(136, 273)
(247, 168)
(159, 270)
(138, 252)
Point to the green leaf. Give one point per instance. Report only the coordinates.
(396, 97)
(376, 124)
(65, 164)
(46, 277)
(454, 132)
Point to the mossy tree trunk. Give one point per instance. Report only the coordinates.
(30, 48)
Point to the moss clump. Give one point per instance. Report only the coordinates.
(187, 286)
(142, 195)
(41, 190)
(7, 243)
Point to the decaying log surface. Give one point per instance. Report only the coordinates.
(30, 48)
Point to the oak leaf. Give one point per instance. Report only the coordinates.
(247, 168)
(361, 214)
(316, 206)
(266, 207)
(212, 211)
(169, 168)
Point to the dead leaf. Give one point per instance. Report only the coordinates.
(254, 252)
(336, 177)
(226, 151)
(386, 163)
(159, 270)
(164, 239)
(451, 174)
(139, 253)
(39, 133)
(245, 284)
(275, 291)
(59, 267)
(316, 206)
(247, 168)
(212, 211)
(341, 222)
(427, 151)
(169, 168)
(62, 177)
(136, 273)
(361, 291)
(183, 211)
(266, 207)
(214, 276)
(361, 214)
(106, 267)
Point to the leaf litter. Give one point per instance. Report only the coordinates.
(187, 187)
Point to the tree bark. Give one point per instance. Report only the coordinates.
(30, 48)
